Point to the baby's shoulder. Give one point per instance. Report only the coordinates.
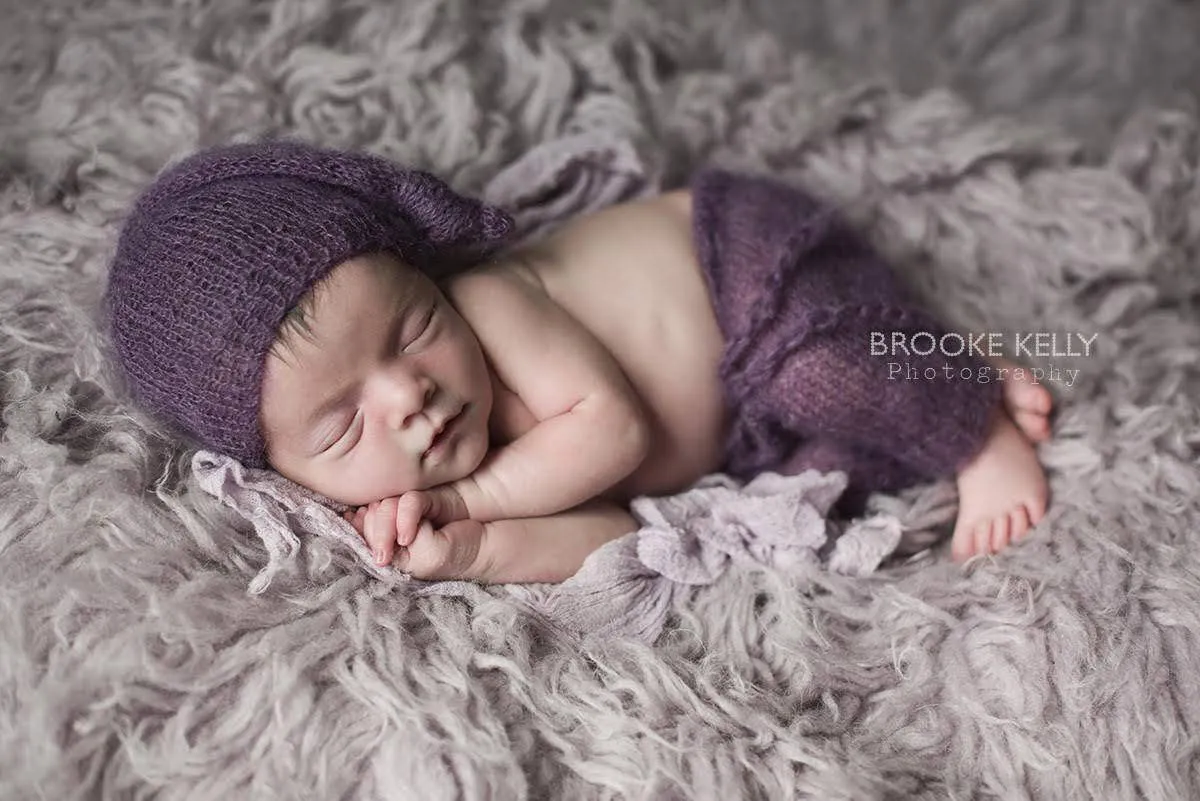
(510, 274)
(496, 291)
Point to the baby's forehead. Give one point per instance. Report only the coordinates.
(354, 291)
(375, 277)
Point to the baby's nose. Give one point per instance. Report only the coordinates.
(403, 397)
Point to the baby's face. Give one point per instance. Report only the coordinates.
(354, 411)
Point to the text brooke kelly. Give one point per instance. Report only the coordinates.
(990, 345)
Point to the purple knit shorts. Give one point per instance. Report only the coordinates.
(799, 295)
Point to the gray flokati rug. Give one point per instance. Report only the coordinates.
(133, 663)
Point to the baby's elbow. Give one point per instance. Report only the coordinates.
(636, 435)
(620, 430)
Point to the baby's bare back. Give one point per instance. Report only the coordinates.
(629, 275)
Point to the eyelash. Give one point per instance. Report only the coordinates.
(426, 325)
(342, 435)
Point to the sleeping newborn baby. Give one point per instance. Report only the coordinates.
(489, 410)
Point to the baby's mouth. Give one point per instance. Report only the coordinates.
(447, 429)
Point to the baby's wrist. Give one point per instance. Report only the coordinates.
(451, 505)
(469, 498)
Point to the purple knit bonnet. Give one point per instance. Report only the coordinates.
(223, 244)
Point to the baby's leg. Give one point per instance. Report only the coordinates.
(883, 432)
(831, 388)
(806, 303)
(1001, 493)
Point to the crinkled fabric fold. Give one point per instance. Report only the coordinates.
(625, 588)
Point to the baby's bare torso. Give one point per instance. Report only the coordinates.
(630, 276)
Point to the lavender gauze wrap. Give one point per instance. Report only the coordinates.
(218, 249)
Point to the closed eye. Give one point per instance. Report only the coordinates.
(340, 442)
(425, 328)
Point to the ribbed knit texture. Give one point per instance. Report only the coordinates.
(218, 249)
(797, 293)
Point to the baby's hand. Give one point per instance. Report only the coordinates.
(394, 522)
(439, 505)
(444, 553)
(449, 552)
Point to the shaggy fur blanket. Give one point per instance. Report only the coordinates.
(133, 661)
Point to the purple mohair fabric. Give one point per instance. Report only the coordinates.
(218, 249)
(797, 294)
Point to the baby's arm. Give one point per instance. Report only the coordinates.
(519, 550)
(592, 430)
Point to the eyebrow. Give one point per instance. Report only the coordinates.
(400, 315)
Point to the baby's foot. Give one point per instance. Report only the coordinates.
(1028, 402)
(1001, 494)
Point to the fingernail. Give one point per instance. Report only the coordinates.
(379, 558)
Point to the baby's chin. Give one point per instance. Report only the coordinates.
(469, 452)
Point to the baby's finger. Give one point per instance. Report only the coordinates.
(378, 533)
(429, 556)
(410, 508)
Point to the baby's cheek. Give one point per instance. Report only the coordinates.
(376, 475)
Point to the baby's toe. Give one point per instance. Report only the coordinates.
(983, 538)
(963, 541)
(1036, 506)
(1019, 519)
(1027, 397)
(1000, 531)
(1033, 425)
(1037, 399)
